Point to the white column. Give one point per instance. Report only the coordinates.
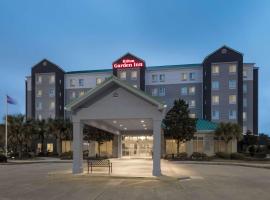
(77, 167)
(156, 147)
(119, 146)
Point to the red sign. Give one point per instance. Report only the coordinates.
(128, 61)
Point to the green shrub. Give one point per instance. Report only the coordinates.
(223, 155)
(237, 156)
(182, 156)
(66, 155)
(199, 156)
(260, 155)
(3, 158)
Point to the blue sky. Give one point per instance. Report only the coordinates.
(91, 34)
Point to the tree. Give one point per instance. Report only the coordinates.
(178, 125)
(228, 131)
(41, 130)
(98, 135)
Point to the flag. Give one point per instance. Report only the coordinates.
(11, 100)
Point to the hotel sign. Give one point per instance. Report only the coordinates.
(128, 61)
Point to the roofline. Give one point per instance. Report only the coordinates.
(129, 54)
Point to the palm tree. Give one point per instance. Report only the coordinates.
(41, 130)
(228, 131)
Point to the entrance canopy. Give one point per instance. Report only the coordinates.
(117, 107)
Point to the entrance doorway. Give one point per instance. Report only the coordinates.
(137, 146)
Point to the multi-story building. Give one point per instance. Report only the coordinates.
(220, 89)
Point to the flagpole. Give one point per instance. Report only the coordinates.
(6, 149)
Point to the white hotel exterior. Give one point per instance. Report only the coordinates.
(131, 99)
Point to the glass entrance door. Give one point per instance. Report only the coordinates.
(137, 146)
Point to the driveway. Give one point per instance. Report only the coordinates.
(53, 181)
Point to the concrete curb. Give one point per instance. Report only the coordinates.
(225, 163)
(35, 162)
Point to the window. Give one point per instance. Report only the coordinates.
(215, 85)
(52, 105)
(98, 81)
(244, 102)
(198, 144)
(184, 76)
(244, 129)
(154, 78)
(232, 114)
(134, 75)
(72, 83)
(81, 93)
(161, 91)
(51, 92)
(192, 76)
(39, 105)
(39, 117)
(215, 100)
(192, 90)
(123, 75)
(162, 77)
(232, 99)
(244, 73)
(73, 95)
(192, 115)
(81, 82)
(50, 147)
(232, 68)
(215, 69)
(215, 115)
(39, 93)
(154, 92)
(135, 85)
(39, 79)
(52, 79)
(184, 91)
(245, 116)
(192, 104)
(244, 88)
(232, 84)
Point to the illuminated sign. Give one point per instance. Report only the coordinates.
(128, 61)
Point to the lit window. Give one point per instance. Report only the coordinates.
(81, 82)
(39, 79)
(244, 129)
(215, 85)
(123, 75)
(184, 76)
(244, 102)
(232, 68)
(232, 114)
(232, 84)
(51, 92)
(134, 75)
(50, 147)
(192, 90)
(244, 116)
(192, 104)
(192, 76)
(73, 95)
(162, 77)
(215, 69)
(192, 115)
(244, 73)
(52, 105)
(81, 93)
(161, 91)
(72, 83)
(40, 117)
(98, 81)
(135, 85)
(154, 92)
(154, 78)
(215, 100)
(232, 99)
(215, 115)
(52, 79)
(39, 105)
(244, 88)
(39, 93)
(184, 91)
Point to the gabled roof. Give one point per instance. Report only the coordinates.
(224, 46)
(48, 61)
(205, 126)
(113, 80)
(128, 54)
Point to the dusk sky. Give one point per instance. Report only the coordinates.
(85, 35)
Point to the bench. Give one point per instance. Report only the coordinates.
(99, 163)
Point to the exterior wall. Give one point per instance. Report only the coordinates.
(28, 98)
